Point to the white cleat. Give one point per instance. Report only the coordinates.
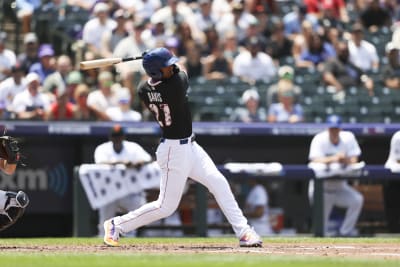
(111, 234)
(250, 239)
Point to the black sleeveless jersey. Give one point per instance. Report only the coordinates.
(168, 102)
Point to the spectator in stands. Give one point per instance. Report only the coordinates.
(333, 10)
(253, 30)
(30, 54)
(292, 21)
(31, 104)
(238, 20)
(7, 57)
(57, 80)
(123, 111)
(192, 61)
(130, 46)
(391, 70)
(301, 41)
(251, 112)
(211, 40)
(74, 78)
(231, 48)
(362, 53)
(61, 109)
(374, 16)
(105, 96)
(286, 110)
(253, 65)
(9, 88)
(111, 38)
(155, 33)
(25, 9)
(142, 9)
(82, 111)
(336, 146)
(256, 208)
(286, 76)
(204, 18)
(340, 73)
(94, 29)
(317, 53)
(279, 46)
(47, 63)
(217, 66)
(175, 12)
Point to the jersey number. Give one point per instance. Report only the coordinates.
(163, 119)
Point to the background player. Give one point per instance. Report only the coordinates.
(119, 151)
(12, 205)
(337, 147)
(179, 156)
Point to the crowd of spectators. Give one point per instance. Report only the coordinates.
(254, 41)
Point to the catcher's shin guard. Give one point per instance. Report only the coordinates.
(12, 207)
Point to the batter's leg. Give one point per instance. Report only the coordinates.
(175, 162)
(205, 172)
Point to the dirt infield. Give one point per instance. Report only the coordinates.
(355, 250)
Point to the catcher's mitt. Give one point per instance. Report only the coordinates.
(9, 149)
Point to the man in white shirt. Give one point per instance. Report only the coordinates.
(7, 57)
(93, 29)
(362, 53)
(31, 104)
(104, 97)
(253, 65)
(336, 148)
(10, 87)
(123, 111)
(119, 151)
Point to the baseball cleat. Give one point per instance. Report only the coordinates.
(250, 239)
(111, 234)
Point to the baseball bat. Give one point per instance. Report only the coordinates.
(104, 62)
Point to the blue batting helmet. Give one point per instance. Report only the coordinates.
(156, 59)
(334, 121)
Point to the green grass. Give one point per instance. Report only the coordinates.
(68, 252)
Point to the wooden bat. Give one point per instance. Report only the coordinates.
(104, 62)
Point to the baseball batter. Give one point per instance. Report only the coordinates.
(178, 154)
(12, 204)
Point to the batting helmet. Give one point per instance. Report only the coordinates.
(156, 59)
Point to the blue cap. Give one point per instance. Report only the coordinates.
(334, 121)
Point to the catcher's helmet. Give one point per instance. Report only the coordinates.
(156, 59)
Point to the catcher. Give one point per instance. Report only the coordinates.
(12, 205)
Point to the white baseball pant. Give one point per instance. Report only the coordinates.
(344, 197)
(178, 162)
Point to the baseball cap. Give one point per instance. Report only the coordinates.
(46, 50)
(32, 76)
(30, 37)
(334, 121)
(74, 77)
(286, 72)
(100, 7)
(391, 46)
(117, 130)
(250, 93)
